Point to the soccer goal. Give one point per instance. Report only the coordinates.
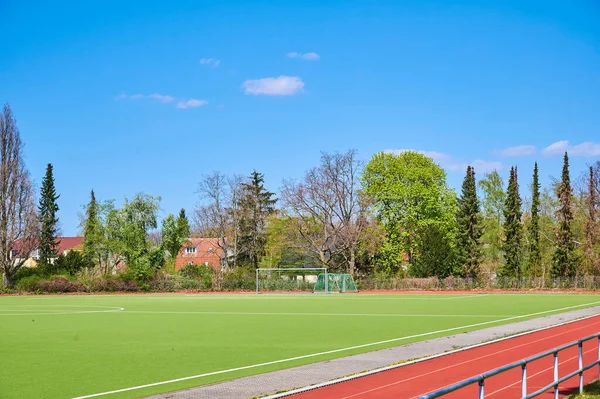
(288, 279)
(334, 282)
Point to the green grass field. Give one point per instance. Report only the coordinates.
(74, 346)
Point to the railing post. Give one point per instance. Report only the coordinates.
(598, 357)
(482, 389)
(524, 380)
(580, 350)
(556, 375)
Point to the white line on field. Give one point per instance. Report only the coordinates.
(330, 352)
(308, 296)
(54, 313)
(315, 314)
(41, 312)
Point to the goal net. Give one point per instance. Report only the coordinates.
(333, 282)
(288, 279)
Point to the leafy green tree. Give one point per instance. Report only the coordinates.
(493, 199)
(564, 260)
(93, 239)
(534, 264)
(175, 233)
(436, 256)
(127, 235)
(409, 192)
(469, 228)
(47, 210)
(548, 226)
(256, 204)
(513, 229)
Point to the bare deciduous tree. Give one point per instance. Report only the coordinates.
(18, 221)
(329, 209)
(218, 215)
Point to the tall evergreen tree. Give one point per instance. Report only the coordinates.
(563, 259)
(592, 227)
(513, 230)
(183, 224)
(469, 227)
(256, 204)
(175, 232)
(47, 210)
(92, 231)
(534, 263)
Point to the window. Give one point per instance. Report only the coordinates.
(190, 250)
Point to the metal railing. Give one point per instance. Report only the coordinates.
(480, 379)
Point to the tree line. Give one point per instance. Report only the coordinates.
(392, 216)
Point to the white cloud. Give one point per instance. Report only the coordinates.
(306, 56)
(154, 96)
(446, 161)
(484, 166)
(556, 148)
(281, 86)
(161, 98)
(518, 151)
(210, 61)
(191, 103)
(585, 149)
(182, 103)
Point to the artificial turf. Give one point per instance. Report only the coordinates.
(72, 346)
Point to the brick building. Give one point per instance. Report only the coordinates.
(199, 251)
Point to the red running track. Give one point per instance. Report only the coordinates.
(414, 380)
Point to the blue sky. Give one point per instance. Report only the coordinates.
(133, 96)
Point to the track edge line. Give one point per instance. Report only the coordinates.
(395, 366)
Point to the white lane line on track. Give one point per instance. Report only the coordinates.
(253, 366)
(312, 314)
(460, 364)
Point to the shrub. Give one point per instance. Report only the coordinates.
(240, 278)
(72, 262)
(107, 284)
(28, 283)
(144, 267)
(55, 284)
(27, 272)
(162, 283)
(203, 274)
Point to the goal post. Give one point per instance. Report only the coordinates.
(288, 279)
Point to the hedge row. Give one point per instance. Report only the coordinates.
(244, 280)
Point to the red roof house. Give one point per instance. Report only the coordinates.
(65, 244)
(199, 251)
